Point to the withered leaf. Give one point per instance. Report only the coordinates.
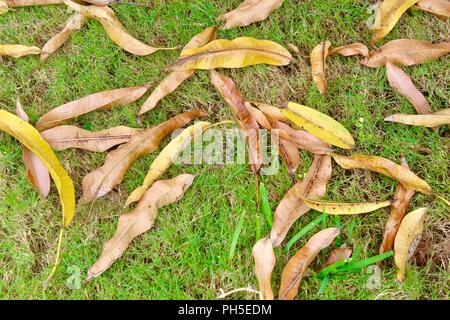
(17, 50)
(140, 220)
(352, 49)
(264, 263)
(426, 120)
(64, 137)
(440, 8)
(345, 208)
(318, 65)
(102, 180)
(288, 152)
(297, 265)
(292, 207)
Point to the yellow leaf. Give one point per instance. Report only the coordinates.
(319, 124)
(237, 53)
(165, 159)
(410, 228)
(345, 208)
(17, 50)
(30, 138)
(387, 16)
(425, 120)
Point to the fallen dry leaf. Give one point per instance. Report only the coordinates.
(426, 120)
(36, 170)
(140, 220)
(237, 53)
(440, 8)
(247, 122)
(297, 265)
(73, 24)
(319, 66)
(166, 157)
(17, 50)
(288, 152)
(176, 78)
(406, 52)
(25, 3)
(352, 49)
(385, 167)
(248, 12)
(292, 207)
(114, 28)
(410, 228)
(101, 100)
(271, 111)
(401, 83)
(345, 208)
(398, 210)
(65, 137)
(102, 180)
(264, 263)
(387, 15)
(319, 124)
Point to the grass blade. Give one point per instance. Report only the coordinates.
(305, 230)
(236, 234)
(265, 206)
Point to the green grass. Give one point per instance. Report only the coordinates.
(186, 254)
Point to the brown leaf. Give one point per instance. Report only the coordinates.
(351, 50)
(289, 153)
(385, 167)
(102, 100)
(65, 137)
(337, 255)
(140, 220)
(297, 265)
(102, 180)
(292, 207)
(17, 51)
(406, 52)
(73, 24)
(401, 83)
(440, 8)
(398, 210)
(318, 65)
(247, 122)
(264, 263)
(37, 172)
(248, 12)
(176, 78)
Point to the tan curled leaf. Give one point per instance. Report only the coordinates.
(352, 49)
(140, 220)
(319, 124)
(36, 170)
(387, 15)
(398, 210)
(298, 264)
(410, 228)
(65, 137)
(264, 263)
(385, 167)
(271, 111)
(75, 23)
(345, 208)
(288, 151)
(237, 53)
(247, 122)
(102, 180)
(319, 66)
(401, 83)
(337, 255)
(166, 158)
(406, 52)
(292, 207)
(114, 28)
(248, 12)
(101, 100)
(32, 140)
(176, 78)
(426, 120)
(17, 50)
(440, 8)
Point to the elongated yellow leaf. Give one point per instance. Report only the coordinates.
(30, 138)
(424, 120)
(345, 208)
(410, 228)
(167, 156)
(237, 53)
(383, 166)
(387, 16)
(17, 50)
(319, 124)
